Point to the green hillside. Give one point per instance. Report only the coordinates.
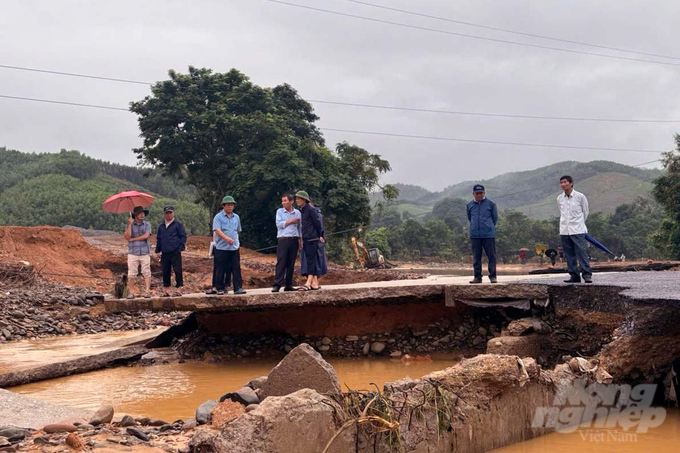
(68, 188)
(533, 189)
(605, 192)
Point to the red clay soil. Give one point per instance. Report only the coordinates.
(55, 250)
(64, 256)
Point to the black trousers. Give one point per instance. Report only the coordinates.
(311, 252)
(169, 262)
(227, 264)
(489, 247)
(286, 254)
(574, 247)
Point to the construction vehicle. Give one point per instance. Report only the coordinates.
(368, 258)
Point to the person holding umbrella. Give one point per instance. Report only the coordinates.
(171, 239)
(137, 234)
(574, 212)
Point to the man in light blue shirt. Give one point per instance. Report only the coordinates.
(289, 235)
(227, 258)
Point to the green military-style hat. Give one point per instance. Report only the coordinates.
(228, 199)
(302, 194)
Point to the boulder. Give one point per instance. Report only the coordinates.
(189, 424)
(245, 396)
(526, 326)
(281, 425)
(204, 412)
(302, 368)
(225, 412)
(526, 346)
(102, 416)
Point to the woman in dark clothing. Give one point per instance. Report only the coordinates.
(312, 237)
(321, 263)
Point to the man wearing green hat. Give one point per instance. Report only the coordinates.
(312, 234)
(227, 259)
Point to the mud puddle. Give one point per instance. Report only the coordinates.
(174, 391)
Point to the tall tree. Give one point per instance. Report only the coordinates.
(667, 193)
(225, 135)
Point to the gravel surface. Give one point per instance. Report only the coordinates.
(23, 412)
(651, 285)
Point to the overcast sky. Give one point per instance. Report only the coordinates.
(328, 57)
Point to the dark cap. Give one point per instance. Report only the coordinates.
(168, 208)
(478, 188)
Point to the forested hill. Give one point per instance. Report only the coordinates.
(535, 187)
(68, 188)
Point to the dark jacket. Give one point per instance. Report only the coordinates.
(172, 238)
(311, 223)
(483, 217)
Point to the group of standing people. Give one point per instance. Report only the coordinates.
(573, 205)
(171, 239)
(298, 231)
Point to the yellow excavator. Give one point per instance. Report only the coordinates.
(367, 258)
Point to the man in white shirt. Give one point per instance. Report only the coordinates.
(573, 215)
(289, 238)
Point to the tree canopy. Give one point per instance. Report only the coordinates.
(224, 135)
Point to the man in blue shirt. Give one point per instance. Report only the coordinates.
(289, 242)
(483, 216)
(171, 239)
(227, 258)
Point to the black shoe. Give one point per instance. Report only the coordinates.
(276, 288)
(493, 280)
(289, 288)
(239, 291)
(573, 280)
(475, 281)
(587, 280)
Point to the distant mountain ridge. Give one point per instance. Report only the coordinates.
(528, 190)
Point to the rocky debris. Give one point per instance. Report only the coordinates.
(377, 347)
(127, 421)
(225, 412)
(526, 326)
(244, 395)
(46, 309)
(279, 425)
(138, 433)
(257, 384)
(75, 442)
(444, 335)
(59, 428)
(204, 412)
(103, 415)
(12, 433)
(189, 423)
(302, 368)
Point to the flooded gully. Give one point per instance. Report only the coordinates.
(174, 391)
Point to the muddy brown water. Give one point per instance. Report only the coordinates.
(174, 391)
(663, 439)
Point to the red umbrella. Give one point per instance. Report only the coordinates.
(524, 249)
(126, 201)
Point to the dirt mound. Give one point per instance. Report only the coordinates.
(58, 254)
